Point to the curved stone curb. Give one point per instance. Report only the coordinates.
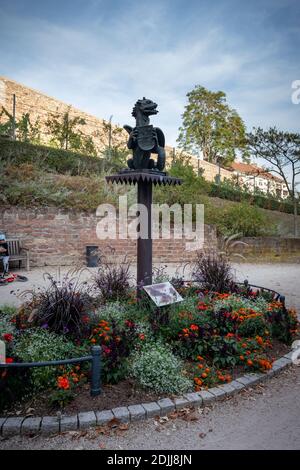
(53, 424)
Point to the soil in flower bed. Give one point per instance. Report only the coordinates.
(123, 393)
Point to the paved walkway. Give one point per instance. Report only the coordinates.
(266, 417)
(282, 277)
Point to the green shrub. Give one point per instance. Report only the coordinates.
(38, 345)
(6, 325)
(235, 302)
(245, 219)
(252, 327)
(156, 368)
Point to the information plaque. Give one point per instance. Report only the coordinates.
(163, 294)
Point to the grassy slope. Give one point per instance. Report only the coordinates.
(41, 176)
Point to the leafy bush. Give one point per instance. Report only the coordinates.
(6, 325)
(156, 368)
(213, 272)
(38, 345)
(113, 311)
(235, 302)
(244, 219)
(253, 327)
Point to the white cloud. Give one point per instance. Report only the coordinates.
(105, 66)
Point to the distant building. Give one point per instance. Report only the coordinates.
(253, 177)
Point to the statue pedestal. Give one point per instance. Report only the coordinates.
(145, 180)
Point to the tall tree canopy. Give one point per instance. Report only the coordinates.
(210, 125)
(281, 150)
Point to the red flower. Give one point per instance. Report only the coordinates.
(9, 360)
(194, 327)
(106, 350)
(63, 382)
(202, 306)
(8, 337)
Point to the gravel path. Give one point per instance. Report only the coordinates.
(265, 417)
(282, 277)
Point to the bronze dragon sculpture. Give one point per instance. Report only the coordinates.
(145, 139)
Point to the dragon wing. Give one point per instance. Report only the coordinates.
(128, 128)
(160, 137)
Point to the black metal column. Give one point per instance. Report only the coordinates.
(144, 245)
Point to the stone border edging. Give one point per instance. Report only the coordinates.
(29, 426)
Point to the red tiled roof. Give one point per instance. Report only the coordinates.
(248, 169)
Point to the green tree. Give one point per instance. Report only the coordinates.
(282, 151)
(66, 133)
(115, 152)
(6, 126)
(210, 125)
(26, 131)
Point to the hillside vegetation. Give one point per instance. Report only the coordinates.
(44, 176)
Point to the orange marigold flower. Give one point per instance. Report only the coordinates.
(242, 358)
(200, 358)
(194, 327)
(93, 340)
(250, 362)
(204, 375)
(198, 381)
(63, 382)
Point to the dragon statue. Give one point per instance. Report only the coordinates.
(145, 139)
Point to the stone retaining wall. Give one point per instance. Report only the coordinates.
(59, 237)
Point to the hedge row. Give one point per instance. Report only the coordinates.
(225, 192)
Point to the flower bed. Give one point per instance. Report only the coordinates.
(207, 339)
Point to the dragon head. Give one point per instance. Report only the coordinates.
(147, 107)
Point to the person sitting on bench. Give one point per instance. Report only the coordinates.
(4, 254)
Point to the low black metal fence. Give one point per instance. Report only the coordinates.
(95, 359)
(277, 295)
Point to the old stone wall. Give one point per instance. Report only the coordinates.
(58, 237)
(41, 107)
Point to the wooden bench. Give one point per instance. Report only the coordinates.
(17, 252)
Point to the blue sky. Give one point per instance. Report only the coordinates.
(102, 55)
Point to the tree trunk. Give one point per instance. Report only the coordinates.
(295, 218)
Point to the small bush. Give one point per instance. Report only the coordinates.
(213, 272)
(113, 281)
(247, 220)
(6, 325)
(156, 368)
(38, 345)
(253, 327)
(62, 306)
